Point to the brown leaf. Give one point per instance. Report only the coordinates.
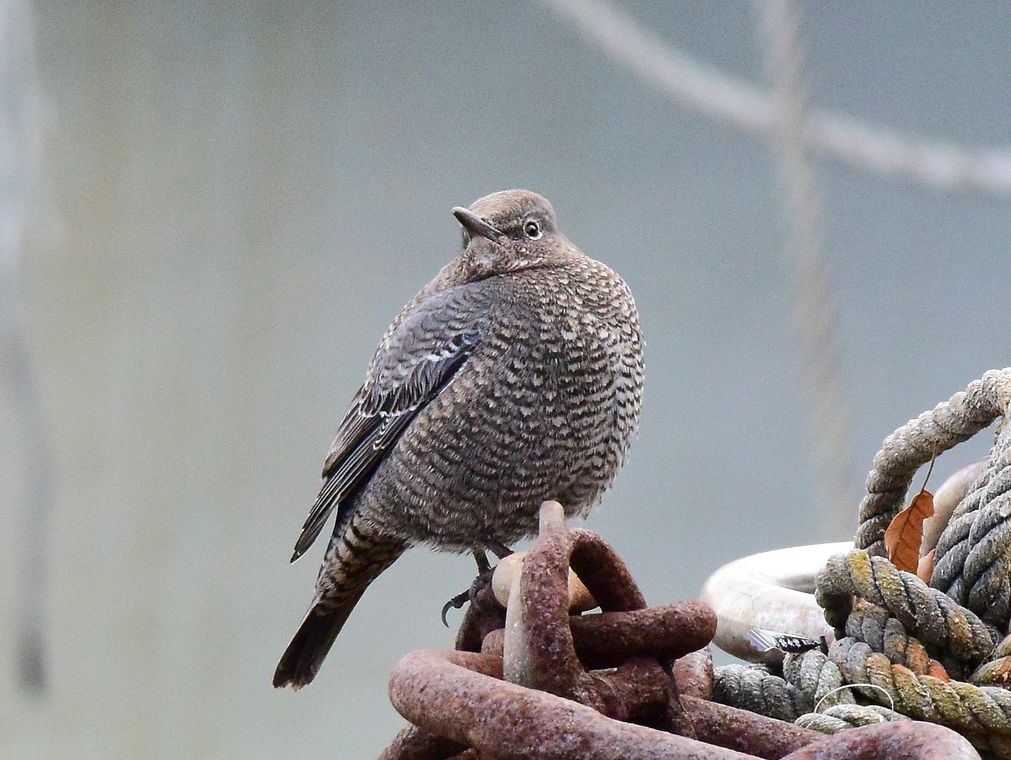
(903, 536)
(925, 567)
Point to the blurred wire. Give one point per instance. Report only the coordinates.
(866, 147)
(779, 26)
(20, 151)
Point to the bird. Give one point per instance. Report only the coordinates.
(513, 377)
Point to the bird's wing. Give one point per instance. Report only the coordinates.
(417, 358)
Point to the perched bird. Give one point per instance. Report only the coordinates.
(513, 377)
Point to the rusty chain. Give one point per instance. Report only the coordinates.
(535, 681)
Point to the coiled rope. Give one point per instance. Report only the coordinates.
(902, 643)
(841, 717)
(972, 561)
(912, 445)
(931, 615)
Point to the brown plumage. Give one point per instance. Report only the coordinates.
(513, 377)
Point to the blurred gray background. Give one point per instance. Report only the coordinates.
(212, 210)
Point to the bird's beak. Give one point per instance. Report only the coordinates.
(475, 225)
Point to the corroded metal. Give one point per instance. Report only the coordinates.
(414, 743)
(628, 682)
(693, 674)
(607, 639)
(666, 633)
(901, 740)
(744, 731)
(455, 694)
(541, 646)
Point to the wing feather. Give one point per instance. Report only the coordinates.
(379, 414)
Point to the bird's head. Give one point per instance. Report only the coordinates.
(508, 231)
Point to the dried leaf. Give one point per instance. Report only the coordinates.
(904, 534)
(925, 568)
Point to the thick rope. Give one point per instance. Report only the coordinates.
(930, 615)
(842, 717)
(996, 671)
(755, 689)
(920, 439)
(947, 572)
(983, 714)
(993, 673)
(972, 561)
(898, 638)
(886, 634)
(817, 677)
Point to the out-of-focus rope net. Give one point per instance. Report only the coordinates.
(779, 25)
(866, 147)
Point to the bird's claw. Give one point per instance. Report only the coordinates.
(455, 603)
(472, 595)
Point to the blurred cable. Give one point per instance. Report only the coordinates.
(20, 152)
(691, 84)
(779, 27)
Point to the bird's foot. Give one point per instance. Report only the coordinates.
(481, 582)
(474, 595)
(498, 549)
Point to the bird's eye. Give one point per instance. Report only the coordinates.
(532, 229)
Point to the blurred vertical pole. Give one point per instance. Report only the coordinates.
(779, 24)
(20, 150)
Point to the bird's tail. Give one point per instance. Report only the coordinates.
(353, 561)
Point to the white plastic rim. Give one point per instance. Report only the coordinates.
(772, 590)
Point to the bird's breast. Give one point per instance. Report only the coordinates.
(544, 408)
